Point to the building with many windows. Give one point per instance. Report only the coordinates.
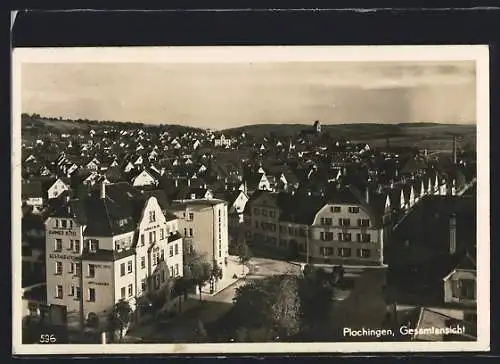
(336, 228)
(107, 247)
(204, 225)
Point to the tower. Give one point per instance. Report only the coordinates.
(454, 150)
(317, 126)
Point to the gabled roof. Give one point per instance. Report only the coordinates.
(433, 320)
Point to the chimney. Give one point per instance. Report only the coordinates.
(454, 150)
(453, 234)
(103, 190)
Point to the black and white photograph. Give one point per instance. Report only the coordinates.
(250, 199)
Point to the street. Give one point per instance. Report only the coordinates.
(183, 329)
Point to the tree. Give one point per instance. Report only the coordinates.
(244, 255)
(215, 274)
(267, 308)
(198, 269)
(120, 316)
(316, 295)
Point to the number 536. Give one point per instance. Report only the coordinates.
(47, 339)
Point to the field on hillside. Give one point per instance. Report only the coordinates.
(434, 137)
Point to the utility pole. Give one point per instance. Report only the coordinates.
(307, 245)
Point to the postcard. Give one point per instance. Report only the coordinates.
(250, 199)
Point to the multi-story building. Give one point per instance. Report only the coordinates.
(109, 247)
(204, 225)
(341, 228)
(158, 249)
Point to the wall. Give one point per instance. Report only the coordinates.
(448, 284)
(66, 256)
(373, 247)
(102, 282)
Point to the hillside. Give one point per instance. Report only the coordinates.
(424, 135)
(64, 125)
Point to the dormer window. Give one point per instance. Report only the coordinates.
(152, 216)
(92, 245)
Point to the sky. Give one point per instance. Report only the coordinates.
(219, 96)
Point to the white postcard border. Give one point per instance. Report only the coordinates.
(231, 54)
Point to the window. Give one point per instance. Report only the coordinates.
(142, 239)
(326, 251)
(130, 290)
(464, 289)
(191, 216)
(190, 231)
(71, 224)
(151, 237)
(64, 224)
(354, 209)
(59, 291)
(91, 270)
(176, 249)
(335, 209)
(143, 262)
(93, 245)
(171, 271)
(326, 221)
(77, 246)
(77, 293)
(78, 269)
(129, 266)
(344, 252)
(58, 246)
(185, 232)
(344, 236)
(177, 270)
(162, 255)
(72, 291)
(152, 217)
(364, 253)
(365, 238)
(162, 234)
(363, 222)
(122, 269)
(344, 222)
(57, 223)
(326, 236)
(71, 245)
(118, 247)
(143, 285)
(171, 251)
(122, 291)
(59, 267)
(255, 211)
